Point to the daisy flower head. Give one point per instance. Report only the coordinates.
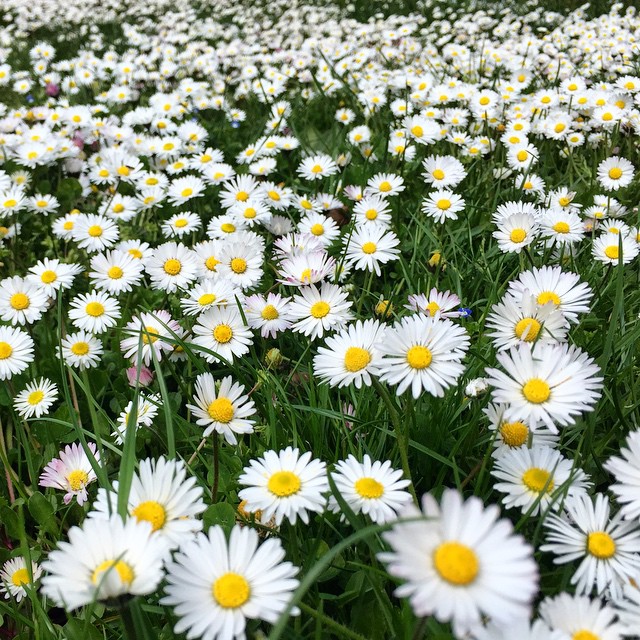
(626, 471)
(302, 268)
(350, 356)
(423, 354)
(612, 248)
(222, 408)
(320, 226)
(628, 608)
(52, 276)
(94, 312)
(237, 190)
(21, 301)
(285, 484)
(615, 173)
(104, 560)
(95, 232)
(36, 399)
(241, 264)
(369, 247)
(184, 189)
(317, 167)
(162, 495)
(239, 579)
(460, 563)
(443, 304)
(372, 210)
(537, 480)
(607, 547)
(211, 292)
(14, 576)
(250, 213)
(16, 351)
(443, 171)
(149, 335)
(71, 472)
(443, 205)
(521, 629)
(146, 409)
(115, 271)
(81, 349)
(222, 333)
(172, 266)
(316, 311)
(516, 232)
(385, 185)
(268, 313)
(373, 488)
(181, 224)
(559, 226)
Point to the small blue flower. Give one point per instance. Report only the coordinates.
(235, 124)
(465, 312)
(30, 99)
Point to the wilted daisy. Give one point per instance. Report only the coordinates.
(16, 351)
(214, 585)
(223, 334)
(36, 399)
(285, 485)
(94, 312)
(21, 301)
(369, 247)
(224, 409)
(536, 480)
(14, 576)
(115, 271)
(547, 383)
(149, 334)
(460, 563)
(615, 173)
(104, 560)
(423, 354)
(373, 488)
(71, 471)
(162, 495)
(607, 547)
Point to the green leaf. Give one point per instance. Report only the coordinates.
(42, 511)
(76, 629)
(221, 513)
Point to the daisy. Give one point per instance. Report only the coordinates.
(521, 629)
(223, 409)
(552, 284)
(460, 563)
(95, 232)
(607, 547)
(16, 351)
(372, 210)
(612, 248)
(14, 576)
(385, 185)
(351, 356)
(94, 312)
(185, 189)
(373, 488)
(212, 292)
(615, 173)
(181, 224)
(104, 560)
(516, 232)
(423, 354)
(285, 485)
(304, 267)
(442, 304)
(226, 226)
(320, 226)
(171, 266)
(146, 408)
(317, 167)
(238, 190)
(250, 213)
(561, 226)
(626, 471)
(368, 247)
(317, 311)
(538, 479)
(21, 301)
(72, 472)
(443, 205)
(549, 383)
(268, 313)
(236, 579)
(443, 171)
(241, 263)
(81, 349)
(222, 333)
(136, 249)
(36, 399)
(628, 608)
(115, 271)
(162, 495)
(149, 335)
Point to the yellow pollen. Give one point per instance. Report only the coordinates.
(243, 196)
(152, 181)
(417, 131)
(95, 231)
(103, 173)
(419, 357)
(443, 204)
(538, 480)
(238, 265)
(319, 309)
(536, 391)
(612, 252)
(206, 298)
(317, 229)
(561, 227)
(432, 308)
(231, 590)
(115, 273)
(181, 222)
(560, 127)
(371, 214)
(42, 203)
(514, 434)
(514, 139)
(518, 235)
(385, 186)
(146, 339)
(572, 87)
(548, 296)
(284, 483)
(136, 253)
(522, 155)
(35, 397)
(369, 488)
(76, 118)
(305, 204)
(438, 174)
(94, 309)
(607, 116)
(5, 350)
(19, 301)
(185, 193)
(601, 545)
(151, 511)
(172, 267)
(584, 634)
(221, 410)
(356, 359)
(484, 101)
(270, 313)
(122, 569)
(124, 171)
(528, 329)
(615, 173)
(78, 479)
(80, 348)
(545, 100)
(564, 202)
(20, 577)
(250, 213)
(227, 227)
(456, 563)
(223, 333)
(118, 208)
(369, 248)
(274, 195)
(68, 225)
(211, 263)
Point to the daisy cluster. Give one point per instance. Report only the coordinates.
(363, 261)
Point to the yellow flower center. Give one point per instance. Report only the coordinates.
(601, 545)
(123, 569)
(238, 265)
(221, 410)
(385, 186)
(536, 391)
(68, 225)
(529, 328)
(151, 511)
(5, 350)
(317, 229)
(206, 298)
(371, 214)
(42, 203)
(583, 634)
(438, 174)
(115, 273)
(522, 155)
(227, 227)
(607, 116)
(136, 253)
(118, 208)
(614, 230)
(316, 168)
(124, 171)
(284, 483)
(538, 480)
(484, 101)
(185, 193)
(443, 204)
(270, 313)
(564, 202)
(20, 577)
(211, 263)
(80, 348)
(432, 308)
(356, 359)
(320, 309)
(35, 397)
(95, 231)
(223, 333)
(274, 195)
(19, 301)
(561, 227)
(369, 248)
(172, 267)
(181, 222)
(417, 131)
(514, 434)
(11, 202)
(518, 235)
(243, 196)
(615, 173)
(419, 357)
(103, 173)
(548, 296)
(612, 252)
(560, 127)
(369, 488)
(78, 479)
(231, 590)
(94, 309)
(250, 213)
(456, 563)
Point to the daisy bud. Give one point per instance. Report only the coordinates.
(145, 377)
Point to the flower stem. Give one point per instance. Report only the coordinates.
(127, 623)
(216, 466)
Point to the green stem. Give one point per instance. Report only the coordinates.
(342, 631)
(127, 623)
(216, 466)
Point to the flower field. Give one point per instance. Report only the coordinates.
(319, 324)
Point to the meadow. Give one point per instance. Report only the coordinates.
(319, 320)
